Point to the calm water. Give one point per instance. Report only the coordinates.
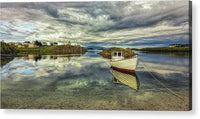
(87, 82)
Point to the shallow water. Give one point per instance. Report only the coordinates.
(87, 82)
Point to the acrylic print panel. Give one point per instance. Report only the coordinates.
(111, 55)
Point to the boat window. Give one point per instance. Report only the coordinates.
(115, 54)
(119, 54)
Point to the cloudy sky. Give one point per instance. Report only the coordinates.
(127, 24)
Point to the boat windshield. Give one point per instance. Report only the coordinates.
(119, 54)
(115, 53)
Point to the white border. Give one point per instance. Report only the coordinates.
(78, 0)
(76, 114)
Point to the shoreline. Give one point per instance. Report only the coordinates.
(53, 50)
(8, 55)
(165, 49)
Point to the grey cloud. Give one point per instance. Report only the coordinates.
(138, 18)
(144, 18)
(97, 20)
(49, 7)
(163, 40)
(68, 22)
(52, 10)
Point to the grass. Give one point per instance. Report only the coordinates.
(106, 53)
(39, 50)
(50, 50)
(165, 49)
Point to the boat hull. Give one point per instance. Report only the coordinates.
(126, 65)
(128, 71)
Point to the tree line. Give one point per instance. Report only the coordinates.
(8, 49)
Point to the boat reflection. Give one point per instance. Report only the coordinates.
(128, 79)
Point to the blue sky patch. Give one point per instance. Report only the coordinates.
(28, 27)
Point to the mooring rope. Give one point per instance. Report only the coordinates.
(150, 72)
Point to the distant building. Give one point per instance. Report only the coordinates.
(31, 45)
(179, 45)
(48, 43)
(54, 43)
(16, 44)
(34, 42)
(60, 43)
(65, 43)
(74, 44)
(27, 42)
(44, 43)
(20, 46)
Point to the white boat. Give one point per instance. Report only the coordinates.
(129, 80)
(119, 63)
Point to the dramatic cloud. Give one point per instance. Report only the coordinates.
(131, 23)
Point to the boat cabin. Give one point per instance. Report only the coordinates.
(117, 55)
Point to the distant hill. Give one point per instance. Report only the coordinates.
(95, 48)
(165, 49)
